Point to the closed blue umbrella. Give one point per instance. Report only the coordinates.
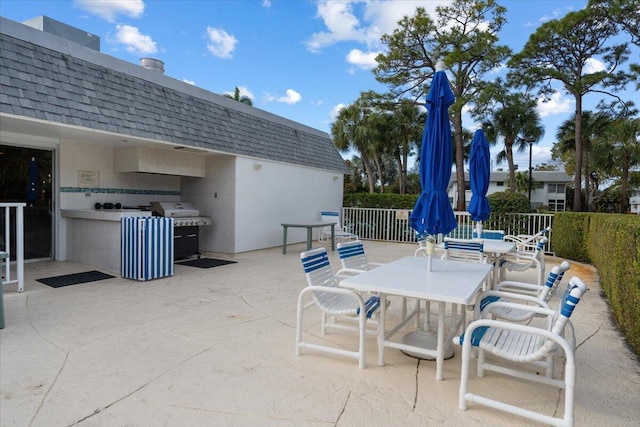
(479, 170)
(432, 213)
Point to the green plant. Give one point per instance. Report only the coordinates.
(508, 202)
(611, 242)
(504, 209)
(380, 201)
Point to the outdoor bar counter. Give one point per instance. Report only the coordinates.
(93, 236)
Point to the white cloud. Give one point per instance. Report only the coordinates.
(110, 9)
(292, 97)
(341, 24)
(593, 66)
(363, 21)
(221, 44)
(556, 105)
(266, 3)
(134, 41)
(364, 60)
(335, 111)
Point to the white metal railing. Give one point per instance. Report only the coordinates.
(18, 232)
(392, 225)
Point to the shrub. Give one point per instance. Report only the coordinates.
(611, 243)
(379, 201)
(508, 202)
(503, 207)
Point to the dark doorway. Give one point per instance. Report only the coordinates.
(26, 175)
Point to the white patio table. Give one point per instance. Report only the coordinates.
(451, 282)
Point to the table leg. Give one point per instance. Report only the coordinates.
(440, 347)
(284, 239)
(381, 324)
(333, 237)
(309, 235)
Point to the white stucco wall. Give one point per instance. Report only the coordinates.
(114, 187)
(80, 156)
(270, 193)
(248, 199)
(215, 197)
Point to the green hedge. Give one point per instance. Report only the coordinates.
(610, 242)
(380, 200)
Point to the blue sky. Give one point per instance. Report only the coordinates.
(300, 59)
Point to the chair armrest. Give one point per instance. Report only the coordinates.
(510, 296)
(332, 290)
(516, 284)
(375, 264)
(518, 287)
(512, 238)
(347, 272)
(533, 309)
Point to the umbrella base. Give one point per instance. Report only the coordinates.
(424, 339)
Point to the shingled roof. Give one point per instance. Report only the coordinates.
(47, 78)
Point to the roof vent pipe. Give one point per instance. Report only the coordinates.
(152, 64)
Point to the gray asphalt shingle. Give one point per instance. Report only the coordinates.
(38, 81)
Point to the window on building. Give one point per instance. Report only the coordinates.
(557, 188)
(500, 184)
(467, 186)
(557, 205)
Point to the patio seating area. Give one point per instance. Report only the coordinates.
(218, 347)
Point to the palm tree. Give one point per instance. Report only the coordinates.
(593, 126)
(405, 127)
(350, 132)
(617, 151)
(514, 120)
(237, 97)
(522, 182)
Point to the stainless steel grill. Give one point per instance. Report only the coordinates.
(184, 214)
(186, 226)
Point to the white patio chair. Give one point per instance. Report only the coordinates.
(489, 234)
(353, 258)
(526, 242)
(334, 302)
(324, 235)
(524, 344)
(521, 261)
(354, 261)
(464, 250)
(521, 293)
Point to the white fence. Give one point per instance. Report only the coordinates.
(7, 234)
(392, 225)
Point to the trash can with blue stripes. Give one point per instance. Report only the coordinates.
(146, 247)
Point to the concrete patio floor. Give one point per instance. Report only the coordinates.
(216, 347)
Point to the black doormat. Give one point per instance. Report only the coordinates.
(206, 262)
(74, 279)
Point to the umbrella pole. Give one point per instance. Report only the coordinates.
(479, 229)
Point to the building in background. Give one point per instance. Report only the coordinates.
(549, 188)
